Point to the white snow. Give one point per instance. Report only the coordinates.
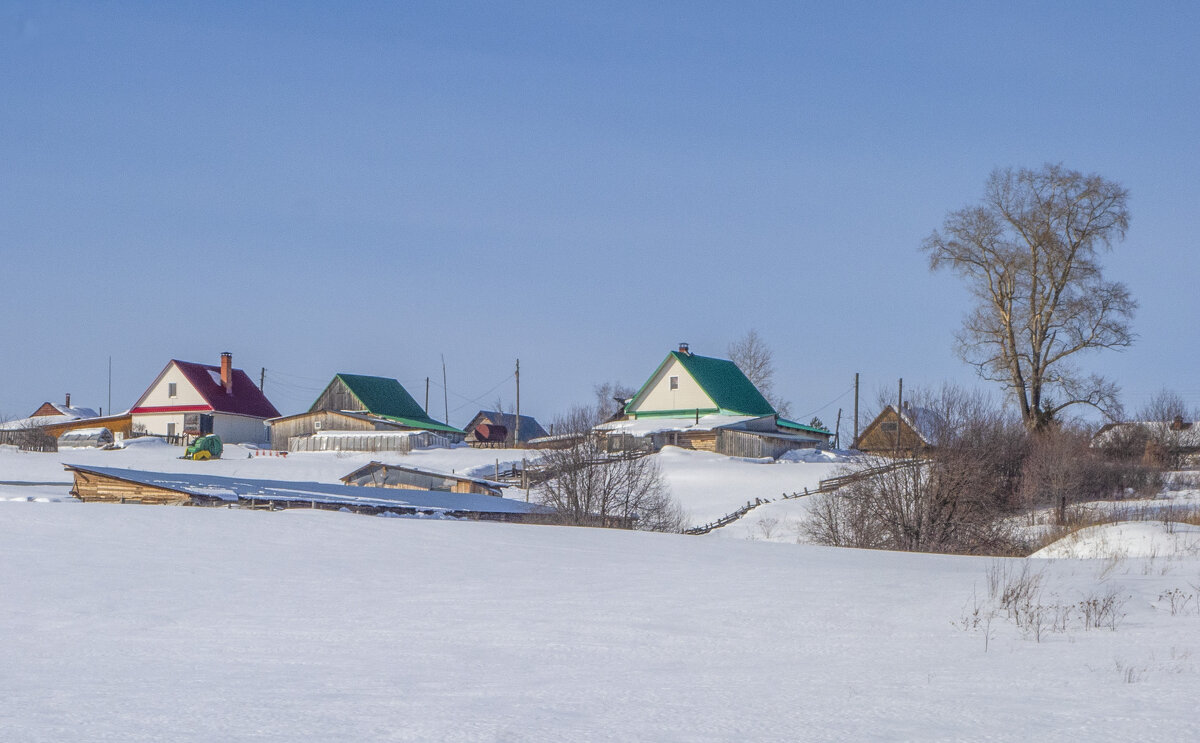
(148, 623)
(709, 485)
(1127, 539)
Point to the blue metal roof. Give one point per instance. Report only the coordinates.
(236, 488)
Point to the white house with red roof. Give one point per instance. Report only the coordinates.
(195, 399)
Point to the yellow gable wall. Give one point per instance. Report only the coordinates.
(660, 396)
(185, 393)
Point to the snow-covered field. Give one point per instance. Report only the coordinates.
(149, 623)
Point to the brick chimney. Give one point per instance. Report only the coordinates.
(683, 348)
(227, 372)
(67, 404)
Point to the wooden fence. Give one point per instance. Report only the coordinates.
(824, 486)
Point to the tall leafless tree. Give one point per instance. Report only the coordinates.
(756, 360)
(1029, 253)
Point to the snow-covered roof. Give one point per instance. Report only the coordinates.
(83, 432)
(1188, 436)
(37, 421)
(423, 471)
(648, 426)
(240, 489)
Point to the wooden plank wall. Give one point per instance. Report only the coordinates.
(336, 397)
(749, 444)
(876, 440)
(92, 487)
(282, 432)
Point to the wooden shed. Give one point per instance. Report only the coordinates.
(358, 403)
(107, 484)
(380, 475)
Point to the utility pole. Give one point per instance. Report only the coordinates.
(837, 431)
(262, 379)
(855, 443)
(426, 395)
(110, 385)
(899, 407)
(445, 392)
(517, 433)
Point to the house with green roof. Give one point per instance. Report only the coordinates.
(701, 402)
(356, 412)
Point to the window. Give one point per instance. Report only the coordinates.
(171, 392)
(888, 426)
(674, 383)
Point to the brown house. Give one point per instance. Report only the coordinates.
(51, 420)
(901, 435)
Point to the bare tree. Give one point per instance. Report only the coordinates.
(1029, 253)
(607, 396)
(952, 501)
(756, 360)
(587, 486)
(1164, 407)
(1162, 419)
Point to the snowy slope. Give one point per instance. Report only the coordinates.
(146, 623)
(1127, 539)
(707, 485)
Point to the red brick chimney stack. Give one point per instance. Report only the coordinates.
(683, 348)
(227, 372)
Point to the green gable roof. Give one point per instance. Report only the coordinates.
(721, 380)
(387, 398)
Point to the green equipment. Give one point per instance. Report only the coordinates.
(205, 447)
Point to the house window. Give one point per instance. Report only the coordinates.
(170, 429)
(888, 426)
(171, 392)
(674, 383)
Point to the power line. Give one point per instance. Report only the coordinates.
(831, 402)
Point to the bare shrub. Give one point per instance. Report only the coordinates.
(1177, 600)
(1102, 611)
(34, 438)
(954, 500)
(767, 526)
(1063, 468)
(587, 486)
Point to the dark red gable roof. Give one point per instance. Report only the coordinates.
(246, 399)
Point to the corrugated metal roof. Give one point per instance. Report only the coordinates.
(387, 398)
(246, 397)
(730, 390)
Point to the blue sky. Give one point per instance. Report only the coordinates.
(320, 189)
